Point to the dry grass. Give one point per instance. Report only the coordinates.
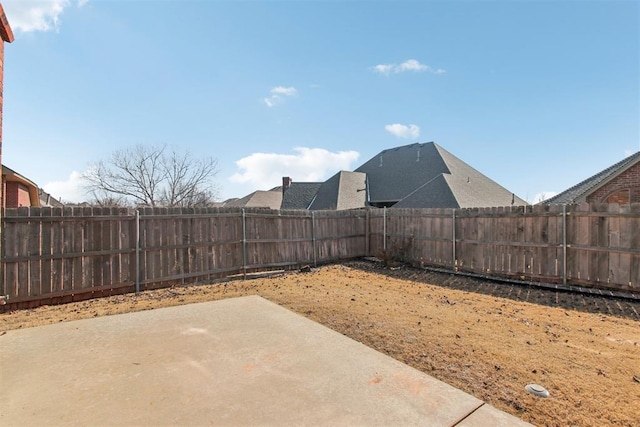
(476, 335)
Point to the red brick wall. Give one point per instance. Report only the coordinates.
(623, 189)
(17, 195)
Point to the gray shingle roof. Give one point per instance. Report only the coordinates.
(344, 190)
(579, 192)
(426, 175)
(394, 173)
(299, 195)
(258, 199)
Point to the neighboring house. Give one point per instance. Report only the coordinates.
(344, 190)
(619, 184)
(411, 176)
(271, 199)
(298, 195)
(47, 200)
(17, 190)
(428, 176)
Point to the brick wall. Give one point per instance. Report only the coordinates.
(16, 195)
(623, 189)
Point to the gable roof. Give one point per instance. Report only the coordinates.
(427, 175)
(298, 195)
(579, 192)
(258, 199)
(344, 190)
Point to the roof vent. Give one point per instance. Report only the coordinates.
(418, 158)
(380, 161)
(468, 179)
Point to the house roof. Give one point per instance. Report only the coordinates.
(579, 192)
(396, 172)
(298, 195)
(344, 190)
(9, 175)
(426, 175)
(5, 28)
(47, 200)
(258, 199)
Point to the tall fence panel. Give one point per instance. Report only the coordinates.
(183, 245)
(278, 238)
(604, 245)
(59, 252)
(339, 234)
(522, 242)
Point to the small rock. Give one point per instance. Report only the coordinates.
(305, 269)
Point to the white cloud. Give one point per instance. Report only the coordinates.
(265, 170)
(383, 68)
(70, 190)
(37, 15)
(403, 131)
(408, 65)
(411, 65)
(278, 94)
(540, 197)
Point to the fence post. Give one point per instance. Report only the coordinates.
(453, 238)
(384, 228)
(244, 245)
(313, 237)
(137, 219)
(564, 244)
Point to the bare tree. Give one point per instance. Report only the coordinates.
(153, 176)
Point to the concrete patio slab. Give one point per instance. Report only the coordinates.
(242, 361)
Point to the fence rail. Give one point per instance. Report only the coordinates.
(72, 253)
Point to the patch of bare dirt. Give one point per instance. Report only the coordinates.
(489, 339)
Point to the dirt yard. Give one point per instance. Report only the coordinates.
(489, 339)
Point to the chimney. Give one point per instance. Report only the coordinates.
(286, 183)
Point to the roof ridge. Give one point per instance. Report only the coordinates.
(596, 178)
(421, 144)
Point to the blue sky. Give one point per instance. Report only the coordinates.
(537, 95)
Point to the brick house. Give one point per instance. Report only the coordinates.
(619, 183)
(18, 191)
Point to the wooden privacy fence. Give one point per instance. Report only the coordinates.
(69, 253)
(62, 254)
(588, 245)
